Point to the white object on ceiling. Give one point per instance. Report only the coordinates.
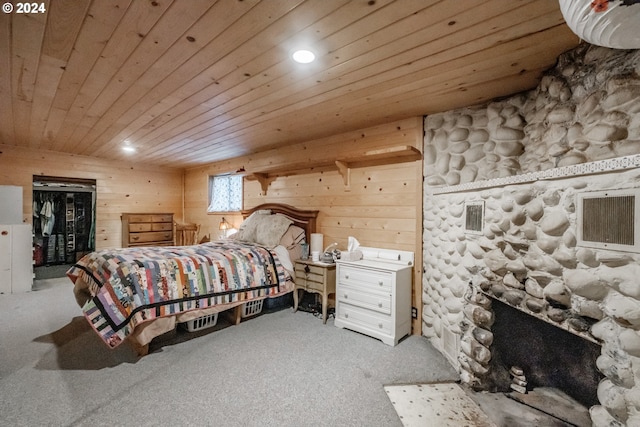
(608, 23)
(303, 56)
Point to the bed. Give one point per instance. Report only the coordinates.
(136, 294)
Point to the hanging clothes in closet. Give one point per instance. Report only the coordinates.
(47, 217)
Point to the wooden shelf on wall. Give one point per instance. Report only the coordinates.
(262, 178)
(383, 156)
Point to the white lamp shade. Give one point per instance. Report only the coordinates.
(317, 240)
(613, 24)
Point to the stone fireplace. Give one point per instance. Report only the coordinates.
(503, 188)
(548, 356)
(555, 362)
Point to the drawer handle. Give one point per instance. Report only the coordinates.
(380, 304)
(380, 283)
(134, 237)
(380, 325)
(346, 276)
(307, 269)
(346, 296)
(346, 316)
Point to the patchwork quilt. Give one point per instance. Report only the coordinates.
(134, 285)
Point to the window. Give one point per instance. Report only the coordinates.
(225, 193)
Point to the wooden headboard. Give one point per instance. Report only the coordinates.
(305, 219)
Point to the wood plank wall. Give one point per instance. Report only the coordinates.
(121, 187)
(382, 209)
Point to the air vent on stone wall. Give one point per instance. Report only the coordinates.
(607, 220)
(474, 217)
(451, 346)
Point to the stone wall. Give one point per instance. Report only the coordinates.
(526, 158)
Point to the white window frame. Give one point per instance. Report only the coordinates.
(230, 205)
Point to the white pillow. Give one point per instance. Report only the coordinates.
(270, 229)
(247, 230)
(292, 240)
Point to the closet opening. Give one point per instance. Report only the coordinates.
(63, 223)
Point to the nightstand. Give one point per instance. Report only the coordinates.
(319, 278)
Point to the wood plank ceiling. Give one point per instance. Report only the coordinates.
(188, 82)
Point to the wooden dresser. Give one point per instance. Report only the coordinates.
(147, 229)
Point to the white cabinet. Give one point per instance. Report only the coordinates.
(373, 297)
(10, 204)
(16, 258)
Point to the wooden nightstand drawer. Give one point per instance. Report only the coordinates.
(311, 277)
(309, 269)
(312, 285)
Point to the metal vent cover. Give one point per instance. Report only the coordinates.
(451, 346)
(474, 217)
(607, 220)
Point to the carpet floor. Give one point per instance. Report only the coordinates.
(277, 369)
(51, 271)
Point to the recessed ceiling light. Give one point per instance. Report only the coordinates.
(303, 56)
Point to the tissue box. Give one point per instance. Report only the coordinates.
(351, 255)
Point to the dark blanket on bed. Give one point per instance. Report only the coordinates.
(133, 285)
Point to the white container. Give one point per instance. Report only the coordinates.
(252, 308)
(201, 323)
(316, 242)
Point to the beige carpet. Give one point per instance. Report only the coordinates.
(438, 405)
(276, 369)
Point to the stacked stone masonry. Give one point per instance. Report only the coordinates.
(585, 109)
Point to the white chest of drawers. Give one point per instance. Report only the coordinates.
(374, 298)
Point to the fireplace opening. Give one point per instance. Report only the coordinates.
(548, 356)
